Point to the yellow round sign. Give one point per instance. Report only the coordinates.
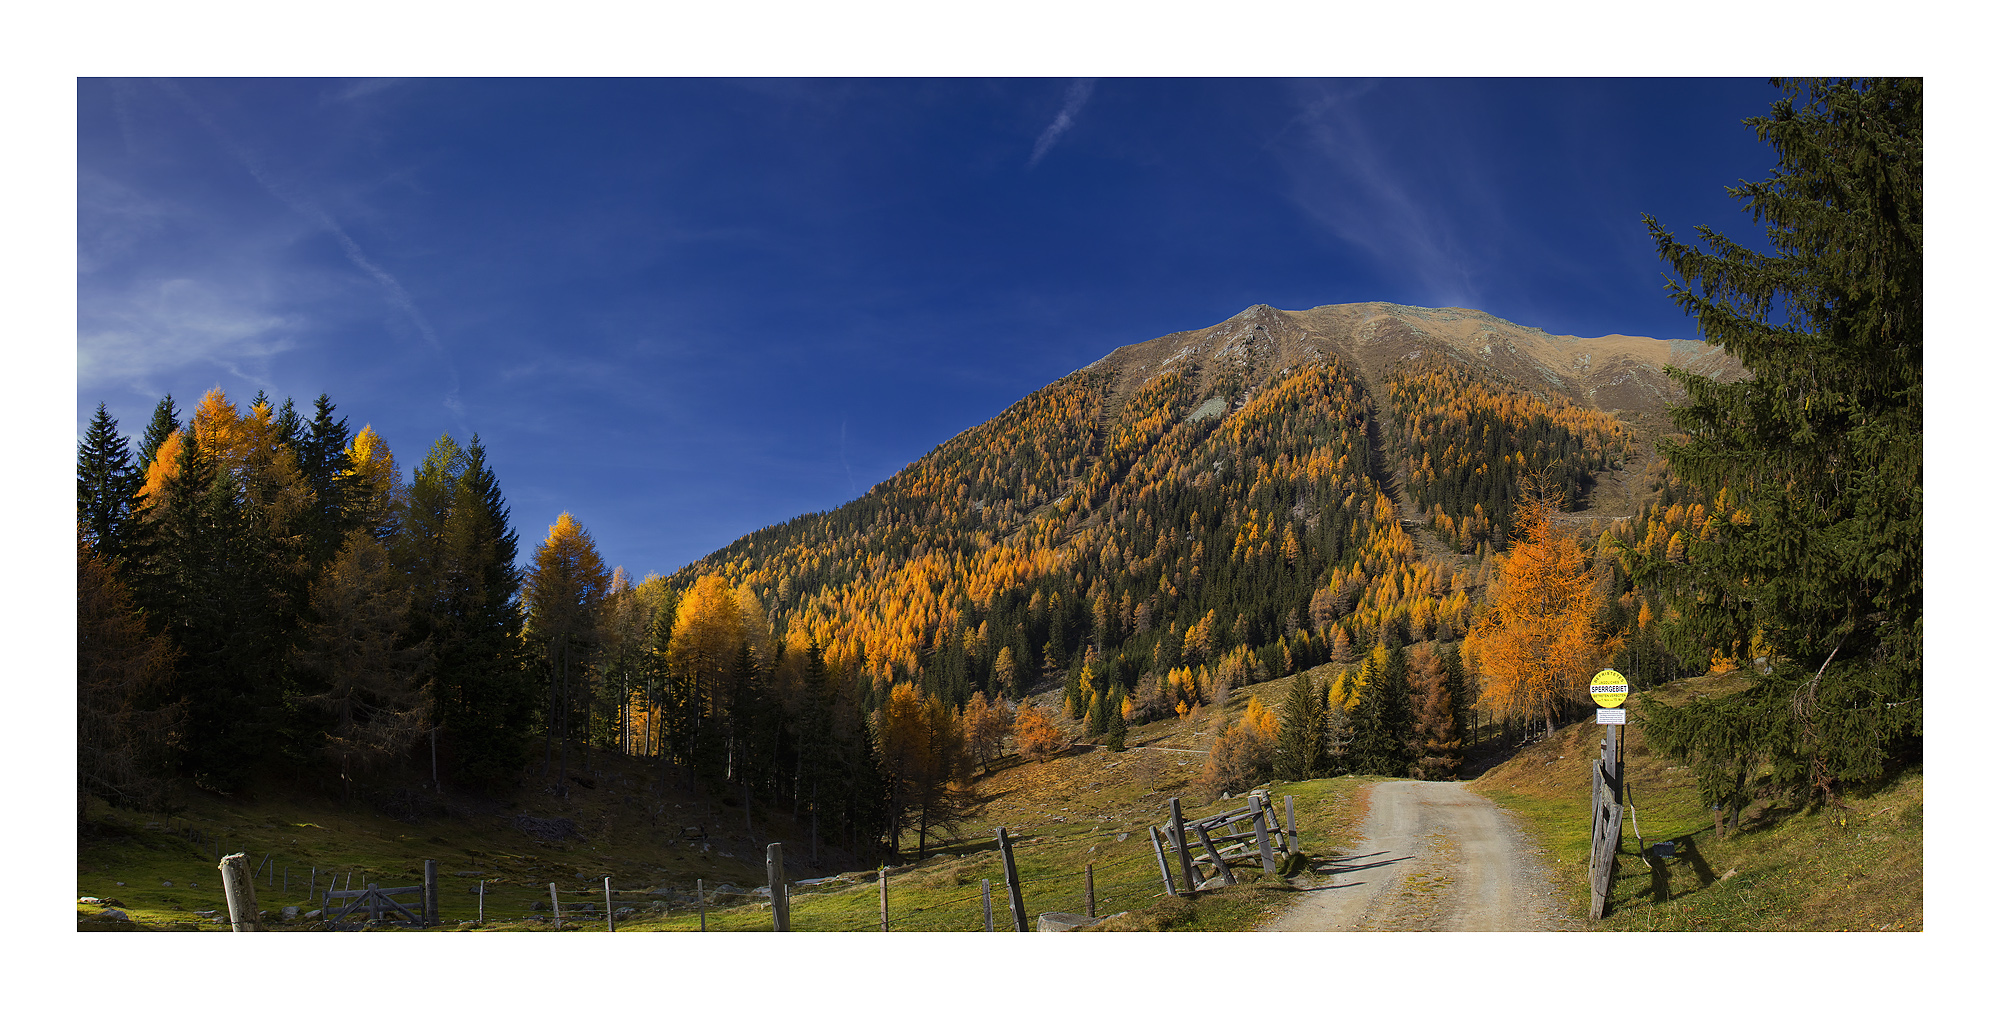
(1608, 689)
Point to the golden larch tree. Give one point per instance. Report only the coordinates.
(1535, 645)
(562, 592)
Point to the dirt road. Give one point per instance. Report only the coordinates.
(1433, 857)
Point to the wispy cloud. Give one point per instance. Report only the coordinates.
(1079, 93)
(169, 324)
(361, 88)
(305, 206)
(1345, 177)
(112, 219)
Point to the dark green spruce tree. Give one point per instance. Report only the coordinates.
(106, 479)
(205, 579)
(321, 447)
(459, 552)
(1818, 458)
(1302, 733)
(1382, 720)
(166, 420)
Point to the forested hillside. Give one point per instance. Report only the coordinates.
(1205, 511)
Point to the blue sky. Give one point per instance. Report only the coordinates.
(683, 310)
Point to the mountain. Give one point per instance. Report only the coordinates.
(1616, 374)
(1218, 506)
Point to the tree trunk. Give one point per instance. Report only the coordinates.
(562, 774)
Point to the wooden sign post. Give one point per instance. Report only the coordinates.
(1607, 789)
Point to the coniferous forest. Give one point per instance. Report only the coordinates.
(267, 590)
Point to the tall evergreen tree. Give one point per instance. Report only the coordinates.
(458, 550)
(1381, 743)
(1302, 740)
(105, 482)
(1816, 461)
(322, 454)
(166, 420)
(206, 581)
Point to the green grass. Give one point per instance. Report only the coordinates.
(942, 893)
(1786, 868)
(1062, 815)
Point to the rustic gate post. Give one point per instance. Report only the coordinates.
(1180, 844)
(1291, 829)
(882, 878)
(1263, 836)
(241, 894)
(430, 893)
(1013, 881)
(781, 902)
(1159, 852)
(986, 899)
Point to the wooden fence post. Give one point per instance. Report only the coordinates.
(1291, 829)
(986, 898)
(1013, 881)
(555, 905)
(1263, 836)
(1089, 890)
(482, 902)
(781, 902)
(1166, 875)
(882, 877)
(701, 905)
(1180, 844)
(430, 893)
(241, 892)
(609, 925)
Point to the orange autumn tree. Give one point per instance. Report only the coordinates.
(561, 593)
(1535, 645)
(921, 741)
(1035, 734)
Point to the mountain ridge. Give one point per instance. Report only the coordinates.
(1612, 373)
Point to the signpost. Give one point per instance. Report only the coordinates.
(1607, 787)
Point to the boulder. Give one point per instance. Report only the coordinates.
(289, 913)
(113, 914)
(1061, 921)
(312, 914)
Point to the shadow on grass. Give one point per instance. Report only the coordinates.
(1682, 850)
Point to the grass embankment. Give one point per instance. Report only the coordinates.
(1088, 807)
(628, 825)
(1786, 868)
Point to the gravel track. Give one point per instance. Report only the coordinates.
(1433, 857)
